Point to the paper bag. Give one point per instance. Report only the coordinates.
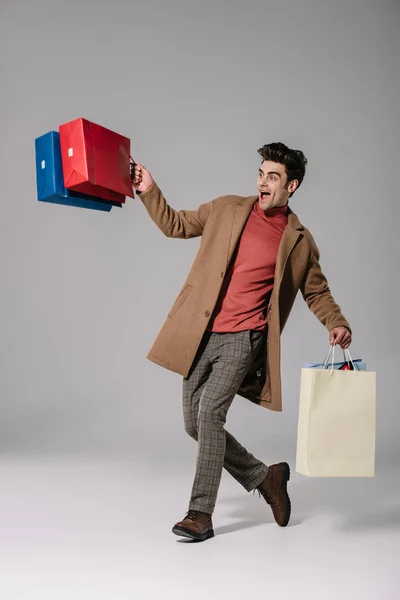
(337, 423)
(49, 177)
(95, 160)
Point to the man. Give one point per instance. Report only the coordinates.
(223, 331)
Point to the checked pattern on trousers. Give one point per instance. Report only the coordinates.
(218, 370)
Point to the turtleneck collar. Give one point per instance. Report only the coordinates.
(278, 212)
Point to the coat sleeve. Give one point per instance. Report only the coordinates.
(315, 290)
(173, 223)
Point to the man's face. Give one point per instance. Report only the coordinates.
(272, 184)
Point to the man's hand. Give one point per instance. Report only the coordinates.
(140, 177)
(340, 336)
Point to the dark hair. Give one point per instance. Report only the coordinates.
(294, 160)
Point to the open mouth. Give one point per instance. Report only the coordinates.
(264, 195)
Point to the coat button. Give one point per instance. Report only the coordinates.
(222, 274)
(207, 313)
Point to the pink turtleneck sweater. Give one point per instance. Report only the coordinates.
(243, 299)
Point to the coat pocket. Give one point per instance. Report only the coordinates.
(180, 300)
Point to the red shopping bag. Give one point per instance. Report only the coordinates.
(95, 160)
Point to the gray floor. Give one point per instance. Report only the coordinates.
(94, 528)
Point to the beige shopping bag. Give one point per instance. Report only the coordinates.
(337, 423)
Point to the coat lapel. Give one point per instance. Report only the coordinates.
(242, 211)
(290, 236)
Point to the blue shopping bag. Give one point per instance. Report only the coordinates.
(50, 180)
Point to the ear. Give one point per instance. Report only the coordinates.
(293, 185)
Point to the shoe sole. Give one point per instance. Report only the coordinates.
(286, 479)
(199, 537)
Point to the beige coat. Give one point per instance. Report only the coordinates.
(220, 223)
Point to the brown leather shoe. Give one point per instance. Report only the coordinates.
(196, 525)
(274, 491)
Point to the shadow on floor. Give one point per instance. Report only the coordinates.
(361, 504)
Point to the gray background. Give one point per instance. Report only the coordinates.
(95, 466)
(198, 87)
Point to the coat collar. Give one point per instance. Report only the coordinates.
(246, 204)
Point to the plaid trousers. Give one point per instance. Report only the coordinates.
(218, 370)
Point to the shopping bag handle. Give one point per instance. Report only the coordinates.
(346, 353)
(131, 167)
